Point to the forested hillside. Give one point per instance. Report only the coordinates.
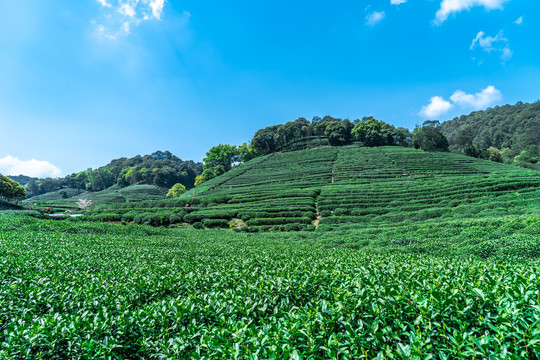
(161, 169)
(511, 129)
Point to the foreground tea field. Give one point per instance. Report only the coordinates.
(76, 290)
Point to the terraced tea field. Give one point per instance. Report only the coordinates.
(94, 291)
(349, 187)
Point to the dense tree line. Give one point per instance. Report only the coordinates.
(334, 131)
(509, 133)
(162, 169)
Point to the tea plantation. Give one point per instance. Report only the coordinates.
(74, 290)
(348, 187)
(329, 253)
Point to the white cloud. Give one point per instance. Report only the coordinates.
(157, 8)
(10, 165)
(477, 101)
(453, 6)
(104, 3)
(439, 106)
(119, 17)
(397, 2)
(127, 9)
(375, 17)
(497, 43)
(436, 107)
(519, 21)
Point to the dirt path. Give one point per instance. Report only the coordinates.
(319, 217)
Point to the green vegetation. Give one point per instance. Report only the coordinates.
(177, 190)
(511, 129)
(336, 252)
(347, 187)
(303, 134)
(161, 169)
(429, 138)
(10, 190)
(80, 290)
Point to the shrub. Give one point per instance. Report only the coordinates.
(215, 223)
(325, 213)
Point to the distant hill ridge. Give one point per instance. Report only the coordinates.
(512, 127)
(158, 170)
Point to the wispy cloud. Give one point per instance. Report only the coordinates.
(497, 43)
(519, 21)
(157, 8)
(104, 3)
(375, 17)
(439, 106)
(10, 165)
(120, 16)
(397, 2)
(454, 6)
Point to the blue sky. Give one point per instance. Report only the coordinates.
(83, 82)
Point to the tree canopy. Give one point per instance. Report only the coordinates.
(177, 190)
(161, 168)
(373, 132)
(11, 190)
(428, 138)
(221, 155)
(511, 127)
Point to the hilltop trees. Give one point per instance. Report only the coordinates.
(11, 190)
(338, 132)
(428, 138)
(402, 137)
(263, 141)
(373, 132)
(221, 155)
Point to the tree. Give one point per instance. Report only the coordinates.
(176, 190)
(246, 152)
(205, 176)
(494, 154)
(402, 137)
(526, 160)
(290, 131)
(373, 132)
(474, 151)
(222, 154)
(338, 133)
(11, 190)
(263, 141)
(428, 138)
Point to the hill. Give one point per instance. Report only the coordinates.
(120, 180)
(512, 127)
(22, 179)
(381, 194)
